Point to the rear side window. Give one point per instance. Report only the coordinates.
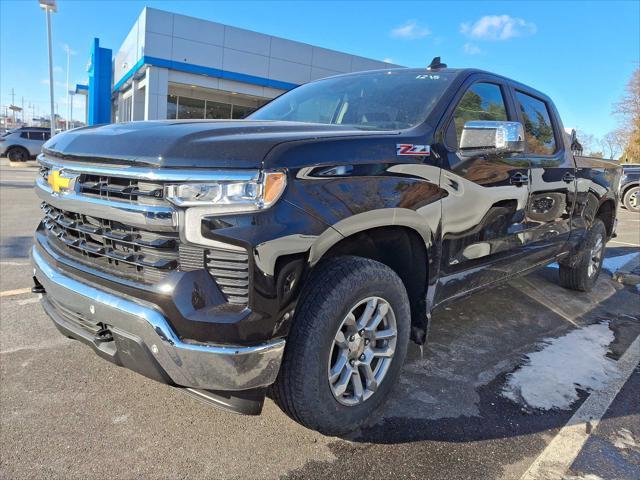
(483, 101)
(538, 129)
(47, 135)
(24, 135)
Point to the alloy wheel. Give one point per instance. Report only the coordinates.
(362, 351)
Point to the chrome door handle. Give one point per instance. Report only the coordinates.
(519, 179)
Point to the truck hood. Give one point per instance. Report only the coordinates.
(190, 144)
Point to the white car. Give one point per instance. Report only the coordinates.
(21, 144)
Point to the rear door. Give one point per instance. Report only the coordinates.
(552, 177)
(483, 215)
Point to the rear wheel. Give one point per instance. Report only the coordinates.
(631, 199)
(346, 346)
(17, 154)
(581, 272)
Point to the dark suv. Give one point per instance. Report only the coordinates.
(299, 250)
(630, 187)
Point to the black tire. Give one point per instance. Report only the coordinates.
(632, 203)
(17, 154)
(576, 273)
(302, 389)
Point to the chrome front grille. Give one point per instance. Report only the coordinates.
(122, 189)
(230, 270)
(112, 246)
(114, 218)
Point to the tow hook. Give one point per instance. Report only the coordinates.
(104, 334)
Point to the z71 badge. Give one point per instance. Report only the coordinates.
(411, 149)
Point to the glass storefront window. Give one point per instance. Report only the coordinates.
(190, 108)
(172, 106)
(179, 107)
(240, 111)
(218, 110)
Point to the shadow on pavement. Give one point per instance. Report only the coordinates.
(16, 247)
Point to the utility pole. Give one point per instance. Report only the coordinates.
(50, 6)
(13, 104)
(23, 121)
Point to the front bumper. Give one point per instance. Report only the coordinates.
(137, 336)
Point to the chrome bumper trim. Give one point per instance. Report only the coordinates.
(205, 366)
(142, 216)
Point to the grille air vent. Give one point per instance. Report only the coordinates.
(230, 270)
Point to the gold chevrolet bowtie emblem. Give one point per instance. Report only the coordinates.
(60, 181)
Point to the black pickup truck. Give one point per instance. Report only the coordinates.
(295, 253)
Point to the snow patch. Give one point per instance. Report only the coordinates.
(549, 378)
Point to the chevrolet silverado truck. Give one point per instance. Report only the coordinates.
(296, 252)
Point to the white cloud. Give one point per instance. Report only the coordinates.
(498, 27)
(472, 49)
(387, 60)
(410, 30)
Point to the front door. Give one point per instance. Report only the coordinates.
(484, 214)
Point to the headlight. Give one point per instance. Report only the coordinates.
(230, 195)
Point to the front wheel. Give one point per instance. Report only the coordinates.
(17, 154)
(581, 272)
(346, 346)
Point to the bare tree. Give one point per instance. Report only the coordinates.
(613, 143)
(628, 108)
(586, 140)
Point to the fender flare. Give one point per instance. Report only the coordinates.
(384, 217)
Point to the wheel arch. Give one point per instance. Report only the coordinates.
(398, 238)
(607, 213)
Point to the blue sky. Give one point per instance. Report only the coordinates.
(580, 53)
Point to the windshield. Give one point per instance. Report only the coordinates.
(386, 100)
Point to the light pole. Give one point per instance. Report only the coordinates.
(69, 53)
(50, 6)
(71, 94)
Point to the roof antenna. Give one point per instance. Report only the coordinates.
(436, 64)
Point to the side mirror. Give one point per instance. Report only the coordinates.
(485, 136)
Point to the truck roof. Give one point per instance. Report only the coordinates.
(458, 72)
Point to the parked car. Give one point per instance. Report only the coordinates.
(21, 144)
(630, 187)
(298, 251)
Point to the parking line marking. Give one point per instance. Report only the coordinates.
(624, 243)
(557, 458)
(18, 291)
(538, 298)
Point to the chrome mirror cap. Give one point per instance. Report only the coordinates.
(485, 136)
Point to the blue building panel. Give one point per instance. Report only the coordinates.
(99, 101)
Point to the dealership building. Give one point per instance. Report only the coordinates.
(175, 66)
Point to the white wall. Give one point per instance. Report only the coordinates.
(190, 40)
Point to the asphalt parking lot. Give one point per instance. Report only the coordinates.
(524, 381)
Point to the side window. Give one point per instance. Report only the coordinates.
(483, 101)
(538, 130)
(24, 135)
(47, 135)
